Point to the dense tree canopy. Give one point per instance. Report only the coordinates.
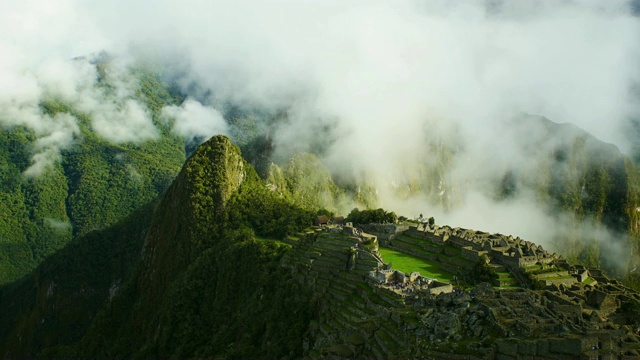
(381, 216)
(93, 185)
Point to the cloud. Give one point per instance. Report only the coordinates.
(54, 134)
(114, 112)
(371, 63)
(40, 63)
(37, 66)
(57, 224)
(384, 77)
(192, 120)
(128, 121)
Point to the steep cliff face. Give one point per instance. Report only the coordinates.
(186, 277)
(193, 209)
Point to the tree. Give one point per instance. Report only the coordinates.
(371, 216)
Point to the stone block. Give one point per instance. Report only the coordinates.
(566, 346)
(507, 347)
(527, 347)
(542, 347)
(504, 357)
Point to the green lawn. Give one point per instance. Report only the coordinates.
(408, 263)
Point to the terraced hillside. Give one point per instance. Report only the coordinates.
(354, 317)
(368, 309)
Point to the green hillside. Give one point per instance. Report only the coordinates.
(57, 302)
(131, 250)
(95, 184)
(202, 225)
(306, 181)
(186, 276)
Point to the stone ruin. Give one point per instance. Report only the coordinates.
(504, 249)
(401, 283)
(368, 309)
(500, 250)
(360, 238)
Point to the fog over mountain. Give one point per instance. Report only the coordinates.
(384, 89)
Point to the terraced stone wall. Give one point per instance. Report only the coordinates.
(384, 232)
(471, 254)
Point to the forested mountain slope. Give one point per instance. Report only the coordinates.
(93, 184)
(200, 273)
(56, 303)
(131, 249)
(592, 182)
(96, 181)
(583, 193)
(198, 251)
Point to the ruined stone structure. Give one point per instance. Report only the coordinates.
(458, 250)
(370, 310)
(506, 250)
(385, 232)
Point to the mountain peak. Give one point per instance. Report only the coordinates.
(192, 210)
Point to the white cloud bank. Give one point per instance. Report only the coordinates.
(192, 120)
